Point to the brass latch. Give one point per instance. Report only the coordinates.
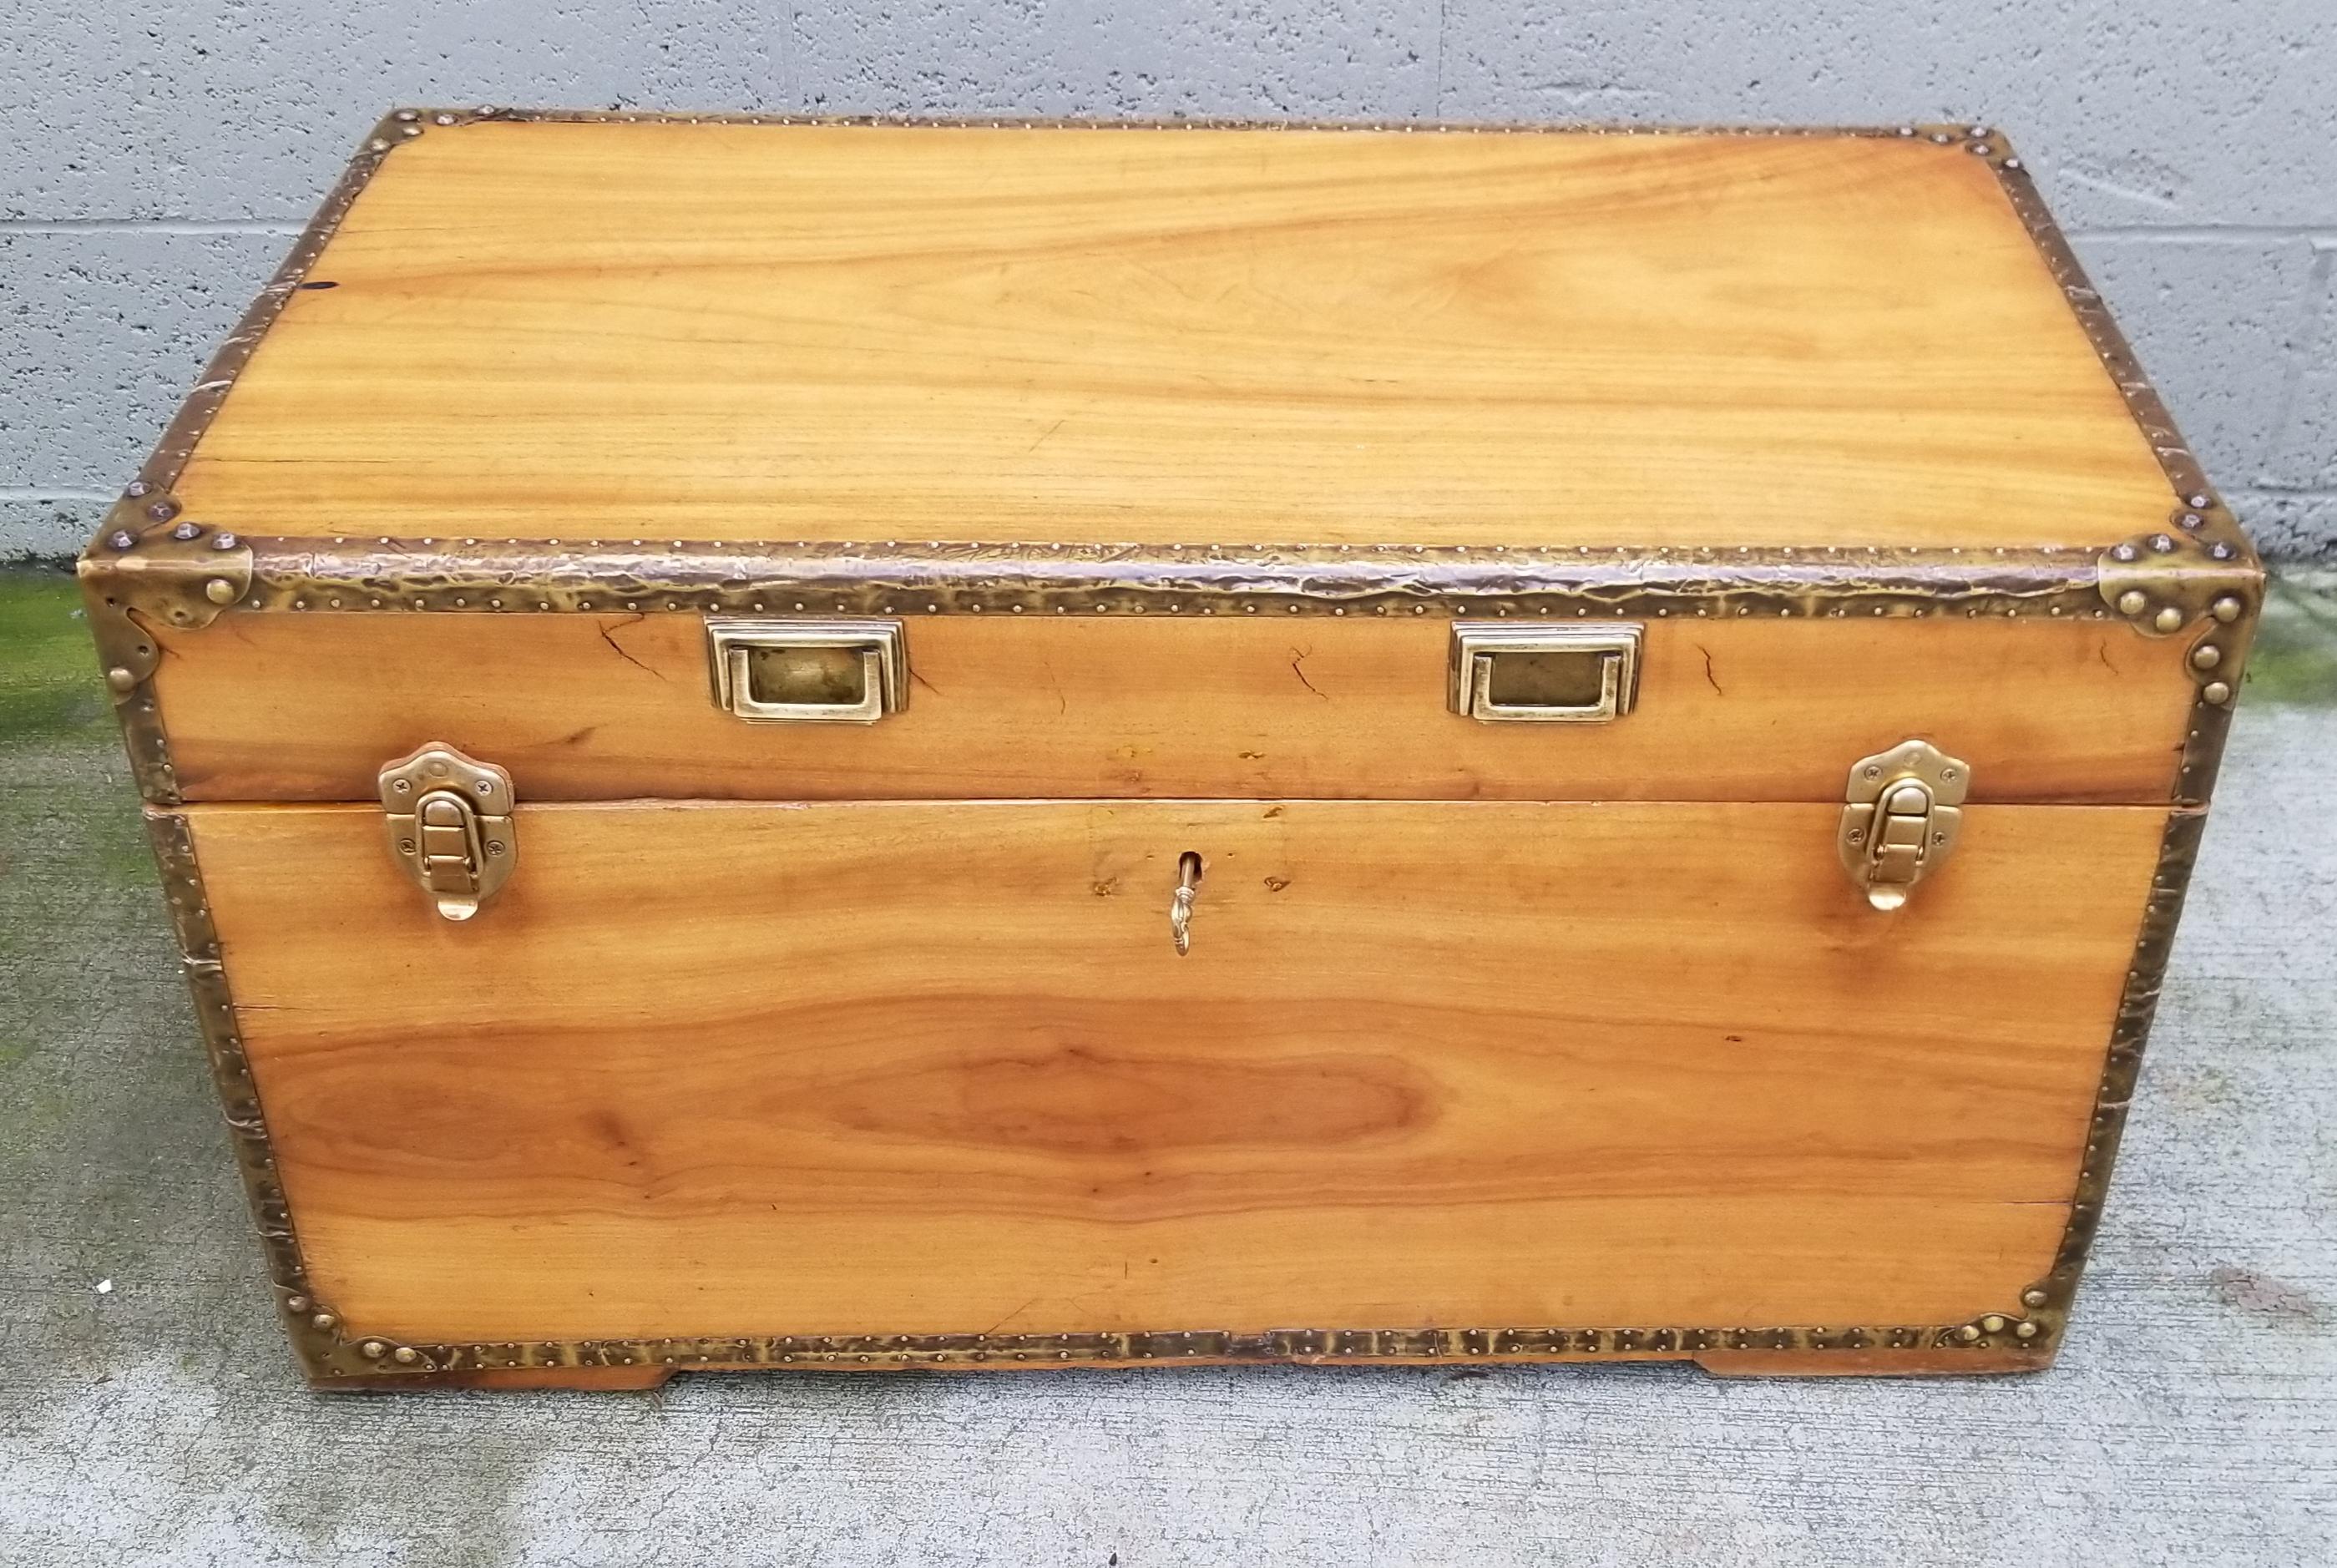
(450, 826)
(1902, 818)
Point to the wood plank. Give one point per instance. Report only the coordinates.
(870, 1067)
(612, 707)
(763, 332)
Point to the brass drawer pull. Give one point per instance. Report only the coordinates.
(807, 671)
(1544, 674)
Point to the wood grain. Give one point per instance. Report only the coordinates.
(582, 707)
(871, 1067)
(757, 332)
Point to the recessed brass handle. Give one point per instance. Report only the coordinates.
(807, 671)
(1504, 674)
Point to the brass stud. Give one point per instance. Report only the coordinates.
(219, 591)
(406, 1355)
(2217, 693)
(2133, 602)
(2025, 1330)
(2206, 656)
(1993, 1323)
(2032, 1297)
(2226, 609)
(2169, 619)
(296, 1303)
(1968, 1333)
(120, 679)
(323, 1321)
(373, 1349)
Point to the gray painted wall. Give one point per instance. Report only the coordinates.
(159, 159)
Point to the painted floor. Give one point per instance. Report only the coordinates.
(150, 1414)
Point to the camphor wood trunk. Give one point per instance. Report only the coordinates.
(1479, 745)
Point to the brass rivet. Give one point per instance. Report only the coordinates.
(2032, 1298)
(373, 1349)
(2169, 619)
(2206, 656)
(324, 1320)
(120, 680)
(1968, 1333)
(2025, 1330)
(2133, 602)
(2217, 693)
(296, 1303)
(2227, 608)
(1993, 1323)
(219, 591)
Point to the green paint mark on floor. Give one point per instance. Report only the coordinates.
(49, 683)
(2295, 660)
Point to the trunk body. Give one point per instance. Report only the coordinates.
(1473, 745)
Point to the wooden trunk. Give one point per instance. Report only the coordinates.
(1464, 744)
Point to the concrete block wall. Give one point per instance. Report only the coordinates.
(159, 159)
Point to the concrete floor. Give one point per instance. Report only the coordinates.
(149, 1412)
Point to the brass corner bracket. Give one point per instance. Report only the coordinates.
(2165, 583)
(150, 566)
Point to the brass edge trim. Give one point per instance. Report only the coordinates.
(2025, 1336)
(911, 578)
(149, 561)
(2166, 582)
(2049, 1301)
(413, 121)
(161, 469)
(182, 886)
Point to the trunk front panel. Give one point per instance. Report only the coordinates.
(902, 1068)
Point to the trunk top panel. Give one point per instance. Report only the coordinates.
(761, 333)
